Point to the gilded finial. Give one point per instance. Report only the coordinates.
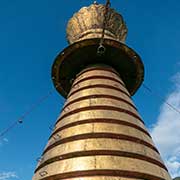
(88, 24)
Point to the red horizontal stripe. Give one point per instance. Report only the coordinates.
(101, 120)
(101, 153)
(100, 135)
(99, 96)
(112, 108)
(104, 172)
(101, 68)
(97, 77)
(98, 86)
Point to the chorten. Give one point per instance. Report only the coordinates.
(99, 134)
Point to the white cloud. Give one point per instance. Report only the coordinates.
(8, 175)
(166, 132)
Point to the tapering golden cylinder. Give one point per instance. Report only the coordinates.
(100, 134)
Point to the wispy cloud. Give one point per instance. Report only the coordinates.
(8, 175)
(3, 141)
(166, 132)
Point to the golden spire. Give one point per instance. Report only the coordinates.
(99, 134)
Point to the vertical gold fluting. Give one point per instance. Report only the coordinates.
(99, 134)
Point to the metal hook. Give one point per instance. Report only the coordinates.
(101, 50)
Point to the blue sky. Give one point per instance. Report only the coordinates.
(32, 33)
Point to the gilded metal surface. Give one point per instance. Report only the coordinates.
(100, 102)
(103, 128)
(88, 24)
(100, 114)
(83, 53)
(103, 178)
(100, 144)
(103, 163)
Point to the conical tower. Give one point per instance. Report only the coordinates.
(99, 134)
